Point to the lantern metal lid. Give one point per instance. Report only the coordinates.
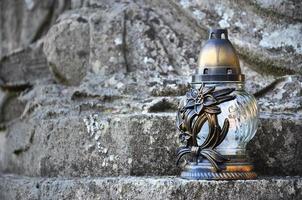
(218, 60)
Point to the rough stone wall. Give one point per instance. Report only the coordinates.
(90, 87)
(153, 188)
(25, 22)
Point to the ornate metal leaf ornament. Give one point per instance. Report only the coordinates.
(201, 106)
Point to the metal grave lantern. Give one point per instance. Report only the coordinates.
(217, 117)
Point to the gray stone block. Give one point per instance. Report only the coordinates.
(14, 187)
(131, 144)
(66, 47)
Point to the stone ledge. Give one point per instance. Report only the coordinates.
(19, 187)
(136, 144)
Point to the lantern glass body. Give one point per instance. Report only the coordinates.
(242, 113)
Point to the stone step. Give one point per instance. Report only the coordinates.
(20, 187)
(135, 144)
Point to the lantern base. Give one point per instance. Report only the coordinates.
(230, 171)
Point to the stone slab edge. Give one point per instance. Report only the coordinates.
(19, 187)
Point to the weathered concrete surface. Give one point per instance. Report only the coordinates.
(14, 187)
(276, 148)
(283, 95)
(10, 107)
(67, 49)
(124, 38)
(120, 145)
(23, 68)
(130, 144)
(270, 42)
(135, 44)
(150, 42)
(280, 8)
(24, 22)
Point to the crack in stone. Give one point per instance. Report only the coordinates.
(124, 42)
(270, 13)
(269, 87)
(27, 146)
(45, 24)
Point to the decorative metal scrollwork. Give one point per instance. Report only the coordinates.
(201, 106)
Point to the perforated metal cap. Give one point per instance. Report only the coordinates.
(218, 60)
